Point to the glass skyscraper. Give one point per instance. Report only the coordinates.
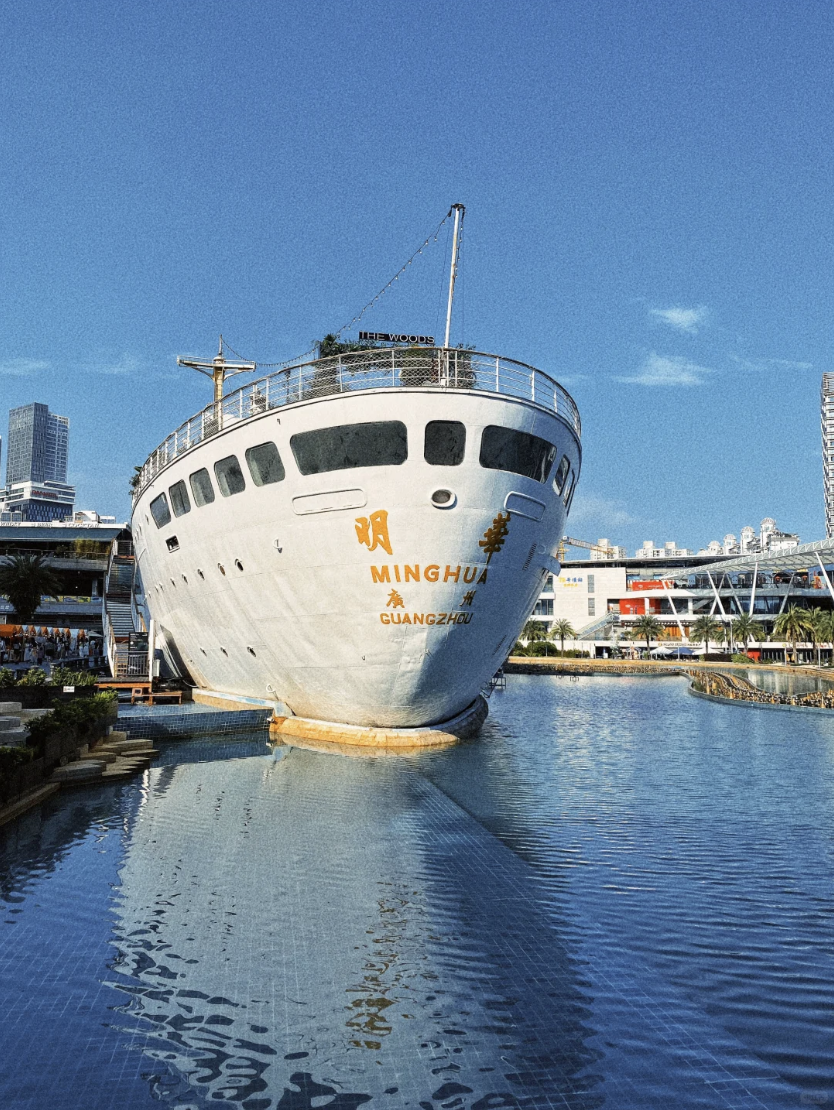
(37, 446)
(36, 466)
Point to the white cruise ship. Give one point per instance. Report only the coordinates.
(360, 537)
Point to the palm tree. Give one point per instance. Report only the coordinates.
(648, 626)
(747, 629)
(791, 624)
(826, 623)
(25, 579)
(533, 631)
(705, 628)
(564, 630)
(818, 627)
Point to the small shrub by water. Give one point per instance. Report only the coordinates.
(11, 758)
(74, 720)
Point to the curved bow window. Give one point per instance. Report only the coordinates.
(377, 443)
(229, 476)
(201, 487)
(516, 452)
(265, 464)
(160, 511)
(445, 442)
(180, 502)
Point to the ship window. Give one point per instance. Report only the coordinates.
(445, 442)
(265, 464)
(516, 452)
(160, 511)
(201, 487)
(379, 443)
(179, 499)
(229, 476)
(569, 490)
(561, 473)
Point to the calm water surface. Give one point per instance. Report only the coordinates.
(619, 896)
(786, 682)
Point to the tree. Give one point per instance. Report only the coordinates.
(705, 628)
(533, 631)
(25, 579)
(648, 626)
(564, 630)
(791, 625)
(326, 378)
(818, 627)
(747, 629)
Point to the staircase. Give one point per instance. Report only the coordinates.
(601, 624)
(118, 615)
(13, 719)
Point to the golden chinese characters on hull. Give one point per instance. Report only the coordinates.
(495, 535)
(372, 531)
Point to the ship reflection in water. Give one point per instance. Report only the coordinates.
(618, 896)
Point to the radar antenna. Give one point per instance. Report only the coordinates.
(218, 369)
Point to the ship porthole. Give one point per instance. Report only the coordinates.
(238, 564)
(221, 568)
(443, 499)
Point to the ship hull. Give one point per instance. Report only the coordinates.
(351, 595)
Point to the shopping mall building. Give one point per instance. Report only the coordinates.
(604, 598)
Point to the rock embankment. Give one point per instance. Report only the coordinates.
(736, 688)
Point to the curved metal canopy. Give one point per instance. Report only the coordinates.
(805, 557)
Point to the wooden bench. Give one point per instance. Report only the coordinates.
(160, 696)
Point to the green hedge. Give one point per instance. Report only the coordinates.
(11, 758)
(72, 719)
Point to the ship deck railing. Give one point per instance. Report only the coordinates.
(363, 371)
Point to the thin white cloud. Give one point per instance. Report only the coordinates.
(758, 365)
(116, 366)
(667, 370)
(599, 512)
(688, 320)
(22, 367)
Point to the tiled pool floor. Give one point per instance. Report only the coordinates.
(287, 930)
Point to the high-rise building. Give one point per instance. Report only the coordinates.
(38, 445)
(827, 419)
(36, 466)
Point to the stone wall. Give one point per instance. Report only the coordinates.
(739, 689)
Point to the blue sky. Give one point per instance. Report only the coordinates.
(649, 216)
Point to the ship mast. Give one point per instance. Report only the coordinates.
(459, 211)
(218, 369)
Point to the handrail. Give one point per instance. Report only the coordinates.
(355, 371)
